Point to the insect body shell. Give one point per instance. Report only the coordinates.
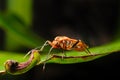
(67, 43)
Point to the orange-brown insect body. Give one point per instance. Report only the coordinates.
(67, 43)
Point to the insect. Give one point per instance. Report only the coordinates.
(66, 43)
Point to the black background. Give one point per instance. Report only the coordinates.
(94, 21)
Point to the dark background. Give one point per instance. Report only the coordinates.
(94, 21)
(91, 20)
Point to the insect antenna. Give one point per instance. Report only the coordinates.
(37, 48)
(30, 52)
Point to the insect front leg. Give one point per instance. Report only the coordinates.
(50, 43)
(47, 57)
(46, 42)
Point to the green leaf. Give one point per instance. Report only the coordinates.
(57, 57)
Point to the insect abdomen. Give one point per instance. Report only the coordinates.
(66, 44)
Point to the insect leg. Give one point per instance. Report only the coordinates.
(47, 58)
(87, 50)
(85, 47)
(63, 54)
(44, 45)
